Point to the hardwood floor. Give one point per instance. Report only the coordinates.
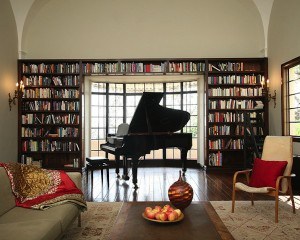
(154, 183)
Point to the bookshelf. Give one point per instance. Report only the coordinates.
(50, 128)
(50, 122)
(233, 90)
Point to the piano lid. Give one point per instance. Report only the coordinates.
(150, 117)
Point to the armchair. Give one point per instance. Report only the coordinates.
(275, 149)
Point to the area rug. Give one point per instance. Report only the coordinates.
(257, 222)
(96, 222)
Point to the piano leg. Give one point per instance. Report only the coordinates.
(135, 161)
(117, 157)
(125, 169)
(183, 159)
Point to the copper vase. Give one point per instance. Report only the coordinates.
(180, 193)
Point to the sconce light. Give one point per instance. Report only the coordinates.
(18, 94)
(267, 90)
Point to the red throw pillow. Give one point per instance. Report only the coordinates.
(265, 173)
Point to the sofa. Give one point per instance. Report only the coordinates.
(30, 224)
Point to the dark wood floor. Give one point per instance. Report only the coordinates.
(154, 183)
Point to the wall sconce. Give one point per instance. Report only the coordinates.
(18, 94)
(268, 95)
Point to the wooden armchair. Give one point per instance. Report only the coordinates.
(275, 148)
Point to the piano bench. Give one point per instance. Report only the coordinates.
(96, 163)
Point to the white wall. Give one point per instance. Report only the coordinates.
(143, 29)
(8, 79)
(283, 42)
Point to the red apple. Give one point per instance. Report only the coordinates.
(178, 212)
(148, 209)
(150, 214)
(166, 208)
(158, 208)
(157, 215)
(173, 216)
(163, 216)
(168, 212)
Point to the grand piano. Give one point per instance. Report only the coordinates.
(152, 127)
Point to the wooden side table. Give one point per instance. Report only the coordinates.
(96, 163)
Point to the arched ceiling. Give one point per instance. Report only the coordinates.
(22, 9)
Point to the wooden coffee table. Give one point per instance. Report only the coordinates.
(200, 222)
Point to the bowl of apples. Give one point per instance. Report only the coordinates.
(165, 214)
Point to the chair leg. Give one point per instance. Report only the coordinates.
(291, 195)
(276, 207)
(252, 201)
(233, 199)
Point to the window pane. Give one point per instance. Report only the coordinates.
(295, 129)
(94, 122)
(94, 111)
(159, 87)
(190, 86)
(294, 115)
(130, 88)
(94, 100)
(94, 134)
(294, 101)
(294, 86)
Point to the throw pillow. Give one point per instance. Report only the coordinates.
(265, 173)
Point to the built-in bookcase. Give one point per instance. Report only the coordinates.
(50, 125)
(233, 89)
(50, 114)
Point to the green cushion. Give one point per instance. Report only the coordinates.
(30, 230)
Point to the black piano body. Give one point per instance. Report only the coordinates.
(152, 127)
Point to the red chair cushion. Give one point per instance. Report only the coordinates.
(265, 173)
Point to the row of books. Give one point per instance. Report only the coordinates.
(31, 118)
(50, 93)
(51, 68)
(186, 67)
(220, 144)
(141, 67)
(226, 66)
(219, 130)
(235, 79)
(49, 146)
(226, 130)
(28, 160)
(215, 159)
(49, 105)
(36, 81)
(231, 104)
(42, 132)
(225, 117)
(236, 92)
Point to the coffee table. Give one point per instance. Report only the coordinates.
(200, 222)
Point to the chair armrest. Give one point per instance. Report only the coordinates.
(76, 178)
(280, 178)
(246, 172)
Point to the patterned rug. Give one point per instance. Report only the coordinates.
(96, 222)
(257, 222)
